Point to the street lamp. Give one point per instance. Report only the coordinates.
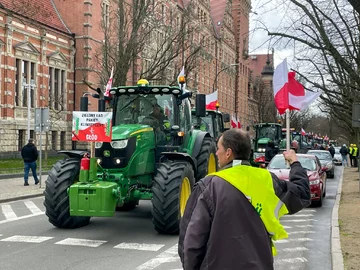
(216, 81)
(29, 86)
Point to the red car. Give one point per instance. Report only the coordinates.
(317, 175)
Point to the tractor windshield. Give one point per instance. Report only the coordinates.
(147, 109)
(205, 124)
(268, 132)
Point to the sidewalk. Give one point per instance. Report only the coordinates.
(12, 188)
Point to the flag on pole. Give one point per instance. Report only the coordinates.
(238, 123)
(211, 100)
(234, 122)
(182, 73)
(288, 92)
(303, 133)
(109, 84)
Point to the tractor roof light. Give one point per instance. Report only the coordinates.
(181, 79)
(217, 105)
(143, 83)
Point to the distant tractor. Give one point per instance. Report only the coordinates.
(151, 156)
(213, 122)
(264, 133)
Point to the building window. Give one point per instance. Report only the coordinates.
(57, 89)
(25, 83)
(21, 139)
(105, 13)
(62, 140)
(54, 140)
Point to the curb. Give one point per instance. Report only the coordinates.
(19, 198)
(337, 259)
(19, 175)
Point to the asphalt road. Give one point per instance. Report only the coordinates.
(129, 242)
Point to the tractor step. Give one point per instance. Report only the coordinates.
(93, 199)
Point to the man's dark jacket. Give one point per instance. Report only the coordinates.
(344, 151)
(29, 153)
(221, 230)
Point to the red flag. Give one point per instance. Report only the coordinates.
(211, 100)
(303, 132)
(109, 84)
(234, 123)
(238, 123)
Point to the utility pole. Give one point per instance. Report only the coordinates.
(29, 87)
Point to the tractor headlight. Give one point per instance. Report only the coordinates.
(98, 145)
(119, 144)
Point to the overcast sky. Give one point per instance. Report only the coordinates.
(272, 15)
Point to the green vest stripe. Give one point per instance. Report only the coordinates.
(257, 186)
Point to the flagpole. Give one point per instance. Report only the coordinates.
(287, 130)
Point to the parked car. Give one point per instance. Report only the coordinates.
(315, 172)
(326, 161)
(337, 157)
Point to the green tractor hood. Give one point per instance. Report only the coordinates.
(263, 141)
(126, 131)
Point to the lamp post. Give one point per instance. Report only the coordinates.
(216, 81)
(29, 86)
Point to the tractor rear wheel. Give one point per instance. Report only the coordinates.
(62, 175)
(172, 187)
(206, 159)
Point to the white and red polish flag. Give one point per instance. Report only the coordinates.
(303, 132)
(234, 122)
(238, 123)
(211, 100)
(288, 92)
(109, 84)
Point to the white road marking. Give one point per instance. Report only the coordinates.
(32, 207)
(138, 246)
(26, 239)
(292, 260)
(8, 212)
(300, 232)
(19, 218)
(293, 240)
(169, 255)
(304, 226)
(308, 210)
(295, 249)
(287, 227)
(80, 242)
(1, 235)
(298, 215)
(297, 220)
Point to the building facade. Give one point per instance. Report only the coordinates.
(50, 50)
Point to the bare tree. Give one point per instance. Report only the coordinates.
(325, 39)
(143, 39)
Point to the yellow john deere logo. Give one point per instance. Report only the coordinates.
(106, 153)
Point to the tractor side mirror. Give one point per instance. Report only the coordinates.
(200, 105)
(226, 118)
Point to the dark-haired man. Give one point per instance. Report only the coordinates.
(29, 154)
(232, 216)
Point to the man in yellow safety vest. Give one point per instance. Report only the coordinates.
(232, 216)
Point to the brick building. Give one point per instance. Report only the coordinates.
(261, 96)
(36, 48)
(55, 45)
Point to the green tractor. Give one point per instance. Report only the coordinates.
(212, 122)
(265, 132)
(154, 156)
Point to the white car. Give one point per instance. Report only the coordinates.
(337, 157)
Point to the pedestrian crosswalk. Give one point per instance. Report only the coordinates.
(292, 252)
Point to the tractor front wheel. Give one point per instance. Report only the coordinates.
(206, 159)
(172, 187)
(62, 175)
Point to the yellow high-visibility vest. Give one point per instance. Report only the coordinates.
(355, 152)
(257, 186)
(350, 151)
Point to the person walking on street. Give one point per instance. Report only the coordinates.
(355, 154)
(344, 152)
(350, 155)
(232, 216)
(331, 150)
(29, 154)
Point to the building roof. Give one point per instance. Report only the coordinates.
(257, 62)
(218, 8)
(42, 11)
